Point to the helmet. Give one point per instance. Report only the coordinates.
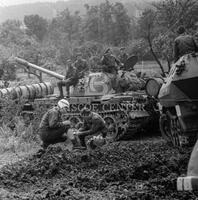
(63, 103)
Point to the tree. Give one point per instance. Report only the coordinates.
(10, 33)
(107, 23)
(172, 13)
(148, 31)
(68, 23)
(163, 46)
(36, 25)
(122, 24)
(92, 25)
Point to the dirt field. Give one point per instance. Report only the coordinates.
(144, 170)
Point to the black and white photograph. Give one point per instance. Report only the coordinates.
(98, 100)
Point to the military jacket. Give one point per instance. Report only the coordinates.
(94, 125)
(51, 119)
(81, 67)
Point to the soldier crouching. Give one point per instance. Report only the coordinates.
(52, 129)
(93, 125)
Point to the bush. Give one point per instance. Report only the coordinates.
(17, 133)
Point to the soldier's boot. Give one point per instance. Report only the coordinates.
(82, 142)
(60, 87)
(190, 182)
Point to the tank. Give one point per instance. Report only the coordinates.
(178, 101)
(126, 113)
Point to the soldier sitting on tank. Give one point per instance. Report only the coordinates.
(110, 65)
(52, 129)
(70, 79)
(81, 66)
(123, 56)
(110, 62)
(183, 44)
(93, 125)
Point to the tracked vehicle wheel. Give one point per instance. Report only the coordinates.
(177, 139)
(171, 131)
(164, 125)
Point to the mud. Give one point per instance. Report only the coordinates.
(120, 171)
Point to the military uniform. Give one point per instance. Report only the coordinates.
(81, 68)
(123, 57)
(71, 79)
(52, 128)
(110, 64)
(183, 44)
(95, 125)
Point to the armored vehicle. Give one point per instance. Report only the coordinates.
(178, 101)
(125, 113)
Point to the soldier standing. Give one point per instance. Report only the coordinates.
(52, 128)
(183, 44)
(70, 79)
(93, 125)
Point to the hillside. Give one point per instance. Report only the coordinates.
(50, 10)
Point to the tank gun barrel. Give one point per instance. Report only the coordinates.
(33, 91)
(36, 67)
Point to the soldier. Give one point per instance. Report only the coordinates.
(52, 128)
(183, 44)
(93, 125)
(110, 62)
(123, 55)
(81, 66)
(70, 79)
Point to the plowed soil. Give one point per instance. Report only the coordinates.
(124, 170)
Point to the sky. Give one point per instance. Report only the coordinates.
(15, 2)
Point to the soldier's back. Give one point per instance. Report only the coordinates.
(185, 44)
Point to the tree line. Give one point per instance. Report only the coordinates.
(150, 36)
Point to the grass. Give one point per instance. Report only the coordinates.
(16, 143)
(21, 139)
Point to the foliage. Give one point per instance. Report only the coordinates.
(108, 23)
(36, 25)
(8, 69)
(157, 26)
(17, 133)
(172, 13)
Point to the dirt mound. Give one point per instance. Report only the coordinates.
(126, 170)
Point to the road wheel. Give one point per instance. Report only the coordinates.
(164, 125)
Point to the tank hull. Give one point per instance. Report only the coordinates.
(178, 98)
